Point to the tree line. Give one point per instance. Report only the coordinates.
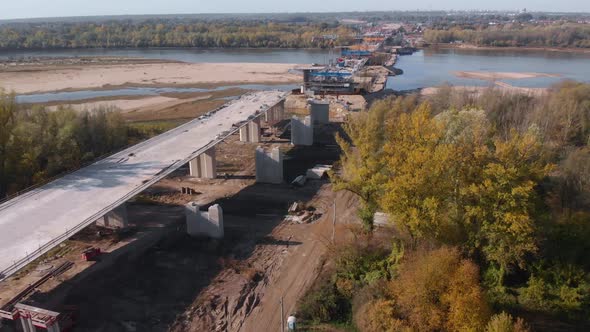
(171, 33)
(488, 200)
(37, 144)
(515, 35)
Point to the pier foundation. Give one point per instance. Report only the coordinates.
(301, 131)
(319, 112)
(204, 224)
(269, 166)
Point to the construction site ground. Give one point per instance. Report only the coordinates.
(154, 277)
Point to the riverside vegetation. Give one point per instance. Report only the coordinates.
(565, 35)
(173, 33)
(488, 200)
(37, 144)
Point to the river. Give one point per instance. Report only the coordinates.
(430, 67)
(191, 55)
(433, 67)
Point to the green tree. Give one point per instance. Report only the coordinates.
(362, 161)
(7, 123)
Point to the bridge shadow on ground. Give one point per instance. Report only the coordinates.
(148, 285)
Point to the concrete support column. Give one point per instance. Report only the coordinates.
(204, 166)
(275, 113)
(269, 166)
(117, 218)
(208, 224)
(281, 110)
(254, 130)
(301, 131)
(54, 328)
(27, 324)
(244, 133)
(269, 116)
(319, 112)
(251, 131)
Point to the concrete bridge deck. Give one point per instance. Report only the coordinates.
(36, 222)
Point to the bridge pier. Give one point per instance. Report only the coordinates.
(204, 166)
(319, 112)
(301, 131)
(275, 113)
(250, 133)
(269, 166)
(54, 328)
(27, 324)
(209, 224)
(117, 218)
(46, 320)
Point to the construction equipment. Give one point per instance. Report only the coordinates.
(91, 254)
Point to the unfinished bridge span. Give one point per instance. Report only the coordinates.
(35, 222)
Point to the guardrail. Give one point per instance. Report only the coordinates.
(29, 257)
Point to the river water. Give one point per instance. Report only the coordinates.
(191, 55)
(430, 67)
(433, 67)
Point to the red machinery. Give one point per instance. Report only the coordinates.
(91, 254)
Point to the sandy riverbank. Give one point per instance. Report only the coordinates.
(156, 74)
(493, 76)
(478, 90)
(171, 106)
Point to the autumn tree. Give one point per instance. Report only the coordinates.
(37, 144)
(362, 161)
(435, 291)
(448, 178)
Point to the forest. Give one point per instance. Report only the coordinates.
(514, 35)
(487, 198)
(37, 144)
(172, 33)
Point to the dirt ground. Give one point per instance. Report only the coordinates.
(157, 278)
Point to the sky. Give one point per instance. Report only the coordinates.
(55, 8)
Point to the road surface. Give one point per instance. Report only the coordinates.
(34, 223)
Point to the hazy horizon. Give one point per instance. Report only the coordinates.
(26, 9)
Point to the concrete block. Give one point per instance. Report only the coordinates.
(301, 131)
(319, 111)
(205, 165)
(117, 218)
(204, 224)
(269, 166)
(317, 172)
(381, 219)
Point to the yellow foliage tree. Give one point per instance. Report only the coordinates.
(436, 291)
(362, 161)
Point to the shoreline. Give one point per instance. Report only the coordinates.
(154, 48)
(107, 87)
(80, 77)
(507, 48)
(232, 91)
